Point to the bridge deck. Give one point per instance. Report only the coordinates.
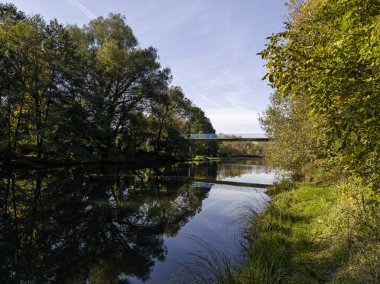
(257, 137)
(212, 180)
(230, 139)
(199, 182)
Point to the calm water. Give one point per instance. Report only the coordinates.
(123, 225)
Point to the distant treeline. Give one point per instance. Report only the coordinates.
(241, 148)
(88, 94)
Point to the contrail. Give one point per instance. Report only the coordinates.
(198, 94)
(206, 98)
(87, 12)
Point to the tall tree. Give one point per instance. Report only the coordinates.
(123, 76)
(328, 55)
(85, 93)
(9, 16)
(167, 120)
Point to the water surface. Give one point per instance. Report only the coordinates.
(122, 224)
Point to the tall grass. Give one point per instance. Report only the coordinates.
(362, 210)
(314, 234)
(210, 265)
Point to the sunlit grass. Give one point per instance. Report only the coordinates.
(313, 234)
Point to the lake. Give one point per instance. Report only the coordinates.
(123, 224)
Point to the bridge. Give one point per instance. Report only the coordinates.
(259, 187)
(209, 181)
(256, 137)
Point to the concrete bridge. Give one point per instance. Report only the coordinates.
(256, 137)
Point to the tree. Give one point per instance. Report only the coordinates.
(168, 118)
(9, 15)
(40, 83)
(328, 57)
(199, 123)
(91, 93)
(123, 77)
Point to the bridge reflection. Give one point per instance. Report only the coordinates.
(230, 186)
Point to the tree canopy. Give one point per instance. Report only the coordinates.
(88, 93)
(324, 68)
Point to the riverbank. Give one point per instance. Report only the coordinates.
(314, 234)
(34, 162)
(206, 159)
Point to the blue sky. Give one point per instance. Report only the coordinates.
(211, 47)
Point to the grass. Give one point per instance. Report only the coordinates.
(198, 159)
(314, 234)
(209, 265)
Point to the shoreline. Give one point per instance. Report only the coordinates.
(309, 234)
(33, 162)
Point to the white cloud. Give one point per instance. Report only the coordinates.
(83, 9)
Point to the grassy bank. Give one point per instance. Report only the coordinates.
(314, 234)
(198, 159)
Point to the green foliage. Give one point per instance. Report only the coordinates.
(91, 93)
(282, 185)
(324, 121)
(241, 148)
(296, 141)
(328, 58)
(9, 13)
(199, 124)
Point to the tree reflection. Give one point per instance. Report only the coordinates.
(80, 225)
(216, 170)
(230, 170)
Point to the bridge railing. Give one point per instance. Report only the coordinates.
(227, 136)
(203, 136)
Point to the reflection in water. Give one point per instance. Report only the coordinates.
(241, 167)
(108, 225)
(245, 171)
(215, 225)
